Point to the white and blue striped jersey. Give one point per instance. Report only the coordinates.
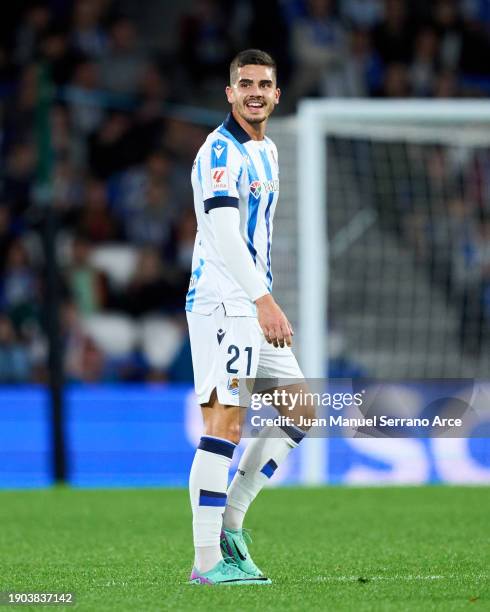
(232, 170)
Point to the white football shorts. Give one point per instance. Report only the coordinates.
(225, 349)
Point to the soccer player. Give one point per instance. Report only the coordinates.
(236, 328)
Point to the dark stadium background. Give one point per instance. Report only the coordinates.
(103, 107)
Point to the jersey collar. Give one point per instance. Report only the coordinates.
(235, 129)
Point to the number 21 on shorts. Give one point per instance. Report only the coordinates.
(234, 359)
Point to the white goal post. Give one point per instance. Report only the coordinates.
(316, 121)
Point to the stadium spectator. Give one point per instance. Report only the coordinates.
(88, 35)
(61, 133)
(86, 285)
(124, 64)
(34, 24)
(154, 288)
(424, 64)
(83, 361)
(128, 188)
(152, 95)
(68, 189)
(93, 364)
(73, 341)
(62, 58)
(446, 85)
(449, 27)
(95, 221)
(86, 113)
(20, 110)
(15, 365)
(19, 286)
(181, 141)
(317, 47)
(7, 234)
(362, 14)
(361, 73)
(257, 16)
(152, 223)
(393, 37)
(396, 83)
(477, 11)
(19, 176)
(205, 42)
(7, 73)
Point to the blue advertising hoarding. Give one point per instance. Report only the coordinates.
(145, 435)
(25, 439)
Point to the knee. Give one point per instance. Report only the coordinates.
(222, 421)
(227, 431)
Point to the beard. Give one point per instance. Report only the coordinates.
(254, 120)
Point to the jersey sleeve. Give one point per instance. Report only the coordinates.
(220, 166)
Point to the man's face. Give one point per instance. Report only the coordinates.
(253, 93)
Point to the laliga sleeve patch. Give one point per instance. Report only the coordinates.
(219, 179)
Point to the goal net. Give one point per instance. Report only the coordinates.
(382, 236)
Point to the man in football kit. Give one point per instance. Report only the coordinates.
(236, 328)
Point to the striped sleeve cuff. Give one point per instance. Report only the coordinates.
(220, 202)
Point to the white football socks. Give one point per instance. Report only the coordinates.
(258, 463)
(208, 482)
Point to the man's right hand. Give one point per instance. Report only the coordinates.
(273, 322)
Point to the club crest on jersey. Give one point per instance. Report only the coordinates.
(233, 385)
(256, 189)
(219, 179)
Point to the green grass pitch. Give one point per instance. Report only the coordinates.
(325, 549)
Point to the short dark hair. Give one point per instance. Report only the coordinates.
(254, 57)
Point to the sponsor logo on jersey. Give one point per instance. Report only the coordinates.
(256, 189)
(219, 178)
(271, 185)
(218, 149)
(233, 385)
(268, 187)
(220, 335)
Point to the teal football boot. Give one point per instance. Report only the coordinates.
(226, 573)
(234, 545)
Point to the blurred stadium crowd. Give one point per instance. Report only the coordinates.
(122, 153)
